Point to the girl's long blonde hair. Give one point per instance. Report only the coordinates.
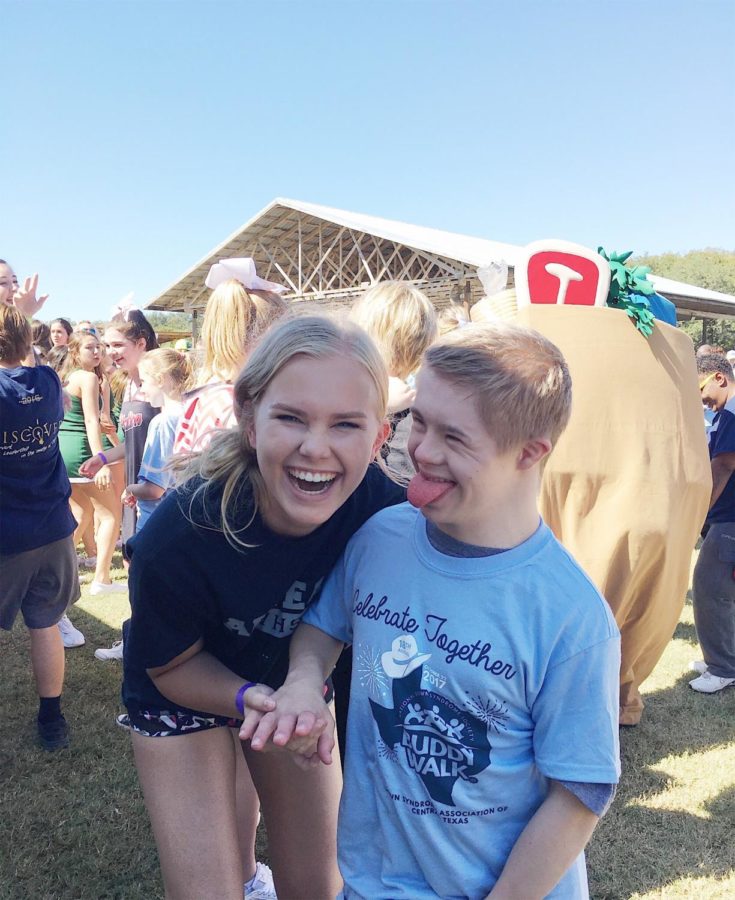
(233, 320)
(230, 460)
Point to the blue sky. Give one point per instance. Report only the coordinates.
(140, 134)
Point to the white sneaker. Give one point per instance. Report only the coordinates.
(89, 562)
(710, 684)
(114, 652)
(260, 886)
(97, 587)
(71, 636)
(698, 665)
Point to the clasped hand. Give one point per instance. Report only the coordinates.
(300, 722)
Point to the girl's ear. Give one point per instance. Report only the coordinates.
(381, 437)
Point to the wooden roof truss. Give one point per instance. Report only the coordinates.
(319, 260)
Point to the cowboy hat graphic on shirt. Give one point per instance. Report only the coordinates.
(403, 657)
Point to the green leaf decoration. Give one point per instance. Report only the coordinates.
(630, 290)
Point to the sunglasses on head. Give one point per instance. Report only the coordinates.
(706, 381)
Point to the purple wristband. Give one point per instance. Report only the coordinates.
(103, 458)
(240, 698)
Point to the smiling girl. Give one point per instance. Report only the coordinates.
(127, 343)
(220, 577)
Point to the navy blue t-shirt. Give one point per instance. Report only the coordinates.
(722, 440)
(187, 582)
(34, 486)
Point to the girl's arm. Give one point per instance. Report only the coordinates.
(198, 680)
(400, 395)
(91, 466)
(554, 837)
(145, 490)
(301, 720)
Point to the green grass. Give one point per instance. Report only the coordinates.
(73, 824)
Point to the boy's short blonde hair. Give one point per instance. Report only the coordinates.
(401, 321)
(519, 378)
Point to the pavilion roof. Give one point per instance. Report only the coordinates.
(323, 253)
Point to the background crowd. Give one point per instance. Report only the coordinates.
(129, 414)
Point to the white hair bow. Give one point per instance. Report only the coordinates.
(122, 308)
(493, 277)
(242, 269)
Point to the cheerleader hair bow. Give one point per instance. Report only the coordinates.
(121, 311)
(242, 269)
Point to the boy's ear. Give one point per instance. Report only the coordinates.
(532, 452)
(381, 438)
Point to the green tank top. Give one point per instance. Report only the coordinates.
(73, 441)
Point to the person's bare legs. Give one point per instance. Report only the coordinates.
(247, 808)
(82, 510)
(90, 548)
(117, 470)
(47, 660)
(108, 512)
(188, 784)
(300, 810)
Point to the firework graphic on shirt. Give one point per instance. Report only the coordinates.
(370, 670)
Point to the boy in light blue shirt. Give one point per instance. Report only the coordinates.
(482, 733)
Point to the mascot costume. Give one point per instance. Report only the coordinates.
(627, 487)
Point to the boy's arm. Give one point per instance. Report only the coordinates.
(554, 837)
(301, 720)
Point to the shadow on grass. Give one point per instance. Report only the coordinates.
(636, 849)
(686, 631)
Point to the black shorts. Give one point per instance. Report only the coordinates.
(175, 722)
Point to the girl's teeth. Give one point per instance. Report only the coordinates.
(312, 476)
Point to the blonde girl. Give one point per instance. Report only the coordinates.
(403, 323)
(165, 375)
(235, 317)
(220, 576)
(239, 310)
(80, 437)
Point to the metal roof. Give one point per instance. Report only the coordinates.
(324, 253)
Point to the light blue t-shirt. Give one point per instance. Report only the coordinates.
(475, 681)
(159, 447)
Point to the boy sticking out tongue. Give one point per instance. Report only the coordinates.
(482, 733)
(423, 490)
